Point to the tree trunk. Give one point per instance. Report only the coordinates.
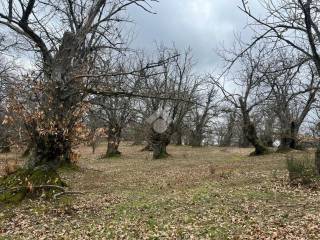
(243, 140)
(50, 151)
(114, 135)
(252, 137)
(267, 140)
(267, 136)
(60, 105)
(317, 159)
(289, 137)
(159, 143)
(179, 138)
(160, 150)
(227, 138)
(52, 128)
(93, 146)
(196, 139)
(250, 132)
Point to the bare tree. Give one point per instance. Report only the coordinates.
(180, 84)
(5, 116)
(66, 34)
(251, 79)
(268, 123)
(96, 129)
(228, 133)
(293, 95)
(116, 112)
(293, 25)
(201, 115)
(51, 100)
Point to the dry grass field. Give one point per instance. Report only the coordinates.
(204, 193)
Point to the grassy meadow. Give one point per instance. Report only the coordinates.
(197, 193)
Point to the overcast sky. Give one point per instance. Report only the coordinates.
(204, 25)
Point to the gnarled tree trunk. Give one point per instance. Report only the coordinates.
(50, 151)
(158, 141)
(196, 139)
(288, 138)
(114, 137)
(243, 140)
(52, 134)
(250, 132)
(251, 135)
(179, 138)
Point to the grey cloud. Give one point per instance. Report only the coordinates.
(204, 25)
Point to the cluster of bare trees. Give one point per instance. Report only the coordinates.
(278, 79)
(165, 103)
(84, 82)
(67, 40)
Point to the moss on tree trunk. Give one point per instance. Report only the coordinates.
(50, 152)
(159, 143)
(160, 150)
(29, 183)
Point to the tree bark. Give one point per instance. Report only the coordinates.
(267, 135)
(227, 138)
(50, 151)
(251, 135)
(250, 132)
(52, 135)
(196, 139)
(289, 137)
(159, 143)
(160, 150)
(243, 141)
(267, 140)
(114, 137)
(179, 138)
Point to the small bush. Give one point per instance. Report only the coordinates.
(301, 170)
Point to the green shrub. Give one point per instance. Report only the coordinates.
(301, 170)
